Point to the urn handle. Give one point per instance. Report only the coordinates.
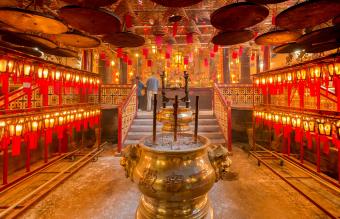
(219, 159)
(129, 160)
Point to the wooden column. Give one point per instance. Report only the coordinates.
(226, 66)
(245, 66)
(266, 58)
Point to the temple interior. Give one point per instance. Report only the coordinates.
(170, 109)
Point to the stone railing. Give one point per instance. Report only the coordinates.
(127, 111)
(241, 95)
(113, 95)
(222, 112)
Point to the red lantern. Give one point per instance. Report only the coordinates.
(189, 38)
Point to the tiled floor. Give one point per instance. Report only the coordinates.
(100, 190)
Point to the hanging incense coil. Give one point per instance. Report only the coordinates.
(92, 21)
(91, 3)
(125, 8)
(288, 48)
(176, 3)
(232, 37)
(277, 37)
(238, 16)
(23, 49)
(157, 29)
(265, 2)
(78, 40)
(173, 15)
(322, 47)
(28, 50)
(31, 21)
(61, 52)
(320, 36)
(308, 14)
(336, 20)
(170, 40)
(192, 27)
(125, 39)
(28, 40)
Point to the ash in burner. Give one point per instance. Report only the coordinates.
(166, 142)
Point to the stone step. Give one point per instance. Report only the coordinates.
(212, 141)
(140, 135)
(139, 121)
(148, 128)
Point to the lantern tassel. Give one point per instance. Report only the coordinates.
(16, 145)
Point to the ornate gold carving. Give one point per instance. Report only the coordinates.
(130, 159)
(219, 159)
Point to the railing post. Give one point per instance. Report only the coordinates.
(119, 144)
(28, 157)
(196, 119)
(229, 127)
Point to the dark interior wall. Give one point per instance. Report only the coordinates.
(109, 126)
(241, 121)
(205, 98)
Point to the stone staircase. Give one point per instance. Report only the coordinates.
(142, 127)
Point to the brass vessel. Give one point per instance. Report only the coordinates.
(175, 183)
(166, 117)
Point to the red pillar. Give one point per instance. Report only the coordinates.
(266, 58)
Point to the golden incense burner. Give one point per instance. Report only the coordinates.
(184, 117)
(175, 178)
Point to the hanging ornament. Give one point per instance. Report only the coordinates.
(206, 62)
(102, 56)
(145, 52)
(252, 57)
(234, 55)
(215, 48)
(119, 52)
(159, 40)
(149, 63)
(240, 51)
(174, 29)
(189, 38)
(186, 60)
(128, 21)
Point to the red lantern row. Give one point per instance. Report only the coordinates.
(29, 128)
(304, 77)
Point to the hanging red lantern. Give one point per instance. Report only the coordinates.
(149, 63)
(145, 52)
(186, 60)
(159, 40)
(119, 52)
(215, 48)
(189, 38)
(174, 29)
(240, 51)
(234, 55)
(206, 62)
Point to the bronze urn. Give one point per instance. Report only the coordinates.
(175, 178)
(184, 117)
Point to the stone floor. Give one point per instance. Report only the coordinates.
(100, 190)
